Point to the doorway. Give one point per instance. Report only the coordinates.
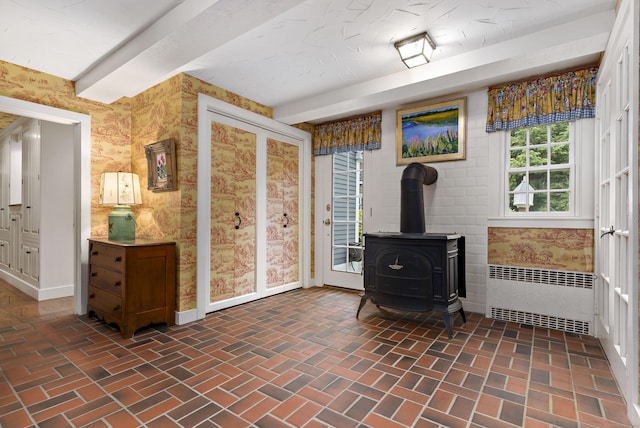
(342, 203)
(81, 124)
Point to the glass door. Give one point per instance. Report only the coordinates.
(343, 250)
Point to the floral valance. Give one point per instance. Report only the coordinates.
(558, 98)
(355, 133)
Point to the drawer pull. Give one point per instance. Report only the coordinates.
(95, 253)
(116, 308)
(94, 273)
(92, 295)
(118, 259)
(118, 283)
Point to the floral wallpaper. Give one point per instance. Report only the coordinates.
(558, 249)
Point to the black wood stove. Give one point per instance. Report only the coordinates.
(413, 270)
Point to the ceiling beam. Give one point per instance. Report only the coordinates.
(188, 31)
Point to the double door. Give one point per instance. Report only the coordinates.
(253, 241)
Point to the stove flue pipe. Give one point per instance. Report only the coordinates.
(414, 177)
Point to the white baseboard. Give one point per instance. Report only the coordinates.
(185, 317)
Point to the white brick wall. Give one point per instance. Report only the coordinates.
(456, 202)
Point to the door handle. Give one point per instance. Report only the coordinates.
(611, 231)
(237, 226)
(327, 222)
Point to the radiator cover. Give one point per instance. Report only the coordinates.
(543, 298)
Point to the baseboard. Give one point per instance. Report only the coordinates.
(55, 292)
(20, 284)
(185, 317)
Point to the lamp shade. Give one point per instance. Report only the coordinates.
(120, 188)
(415, 50)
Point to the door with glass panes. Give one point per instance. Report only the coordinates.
(342, 207)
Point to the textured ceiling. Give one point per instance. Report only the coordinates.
(310, 60)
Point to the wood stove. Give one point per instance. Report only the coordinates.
(413, 270)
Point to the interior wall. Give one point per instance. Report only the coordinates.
(456, 202)
(110, 125)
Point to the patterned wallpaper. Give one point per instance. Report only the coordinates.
(119, 132)
(558, 249)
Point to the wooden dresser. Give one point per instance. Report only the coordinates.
(132, 284)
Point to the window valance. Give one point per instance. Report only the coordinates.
(355, 133)
(562, 97)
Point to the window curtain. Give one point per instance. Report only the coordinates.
(356, 133)
(558, 98)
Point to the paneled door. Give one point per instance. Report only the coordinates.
(617, 215)
(249, 231)
(282, 213)
(233, 213)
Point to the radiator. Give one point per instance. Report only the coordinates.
(559, 300)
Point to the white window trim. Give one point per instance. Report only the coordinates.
(582, 214)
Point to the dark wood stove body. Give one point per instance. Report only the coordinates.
(418, 272)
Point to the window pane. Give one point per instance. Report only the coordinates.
(539, 202)
(518, 158)
(538, 135)
(538, 157)
(560, 132)
(339, 184)
(518, 138)
(560, 179)
(340, 234)
(514, 180)
(538, 180)
(560, 154)
(559, 201)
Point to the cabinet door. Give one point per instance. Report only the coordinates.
(31, 179)
(233, 213)
(282, 213)
(15, 231)
(30, 261)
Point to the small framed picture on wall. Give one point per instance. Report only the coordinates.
(161, 162)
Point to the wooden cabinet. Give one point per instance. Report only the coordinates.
(132, 284)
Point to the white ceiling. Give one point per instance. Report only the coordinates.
(311, 60)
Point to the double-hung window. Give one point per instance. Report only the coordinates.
(540, 170)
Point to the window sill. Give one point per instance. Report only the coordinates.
(542, 222)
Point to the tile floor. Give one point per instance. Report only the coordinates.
(299, 359)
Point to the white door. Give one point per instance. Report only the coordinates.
(251, 215)
(617, 216)
(341, 176)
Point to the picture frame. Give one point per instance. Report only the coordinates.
(432, 132)
(161, 164)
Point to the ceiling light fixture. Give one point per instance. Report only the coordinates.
(415, 50)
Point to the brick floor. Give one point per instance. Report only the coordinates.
(298, 359)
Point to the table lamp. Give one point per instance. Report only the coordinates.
(120, 190)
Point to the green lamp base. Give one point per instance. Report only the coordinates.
(122, 224)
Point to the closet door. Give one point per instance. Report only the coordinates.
(233, 214)
(283, 182)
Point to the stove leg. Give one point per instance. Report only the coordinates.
(363, 300)
(448, 322)
(464, 318)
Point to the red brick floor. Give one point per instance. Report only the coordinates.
(299, 359)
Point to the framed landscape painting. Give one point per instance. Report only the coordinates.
(431, 133)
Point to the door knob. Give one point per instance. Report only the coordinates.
(327, 222)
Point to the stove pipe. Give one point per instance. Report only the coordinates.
(414, 177)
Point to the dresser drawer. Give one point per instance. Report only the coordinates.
(104, 304)
(108, 256)
(107, 279)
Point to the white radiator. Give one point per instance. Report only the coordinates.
(545, 298)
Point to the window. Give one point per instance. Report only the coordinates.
(540, 171)
(347, 211)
